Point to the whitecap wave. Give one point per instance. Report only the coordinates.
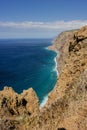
(44, 101)
(46, 48)
(55, 68)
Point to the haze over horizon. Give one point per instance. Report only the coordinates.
(40, 18)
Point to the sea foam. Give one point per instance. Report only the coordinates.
(55, 68)
(44, 101)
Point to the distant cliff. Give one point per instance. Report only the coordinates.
(66, 108)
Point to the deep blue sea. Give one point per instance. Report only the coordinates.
(26, 63)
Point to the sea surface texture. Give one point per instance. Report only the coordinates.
(26, 63)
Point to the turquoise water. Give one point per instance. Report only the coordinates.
(27, 63)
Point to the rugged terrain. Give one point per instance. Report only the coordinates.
(66, 108)
(15, 108)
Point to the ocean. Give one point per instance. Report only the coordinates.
(26, 63)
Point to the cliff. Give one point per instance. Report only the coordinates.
(15, 108)
(66, 108)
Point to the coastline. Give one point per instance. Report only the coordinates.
(42, 104)
(52, 48)
(56, 66)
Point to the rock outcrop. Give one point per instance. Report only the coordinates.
(66, 108)
(15, 107)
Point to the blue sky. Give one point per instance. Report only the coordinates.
(40, 18)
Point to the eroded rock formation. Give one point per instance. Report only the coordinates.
(15, 107)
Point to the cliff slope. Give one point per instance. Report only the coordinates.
(66, 108)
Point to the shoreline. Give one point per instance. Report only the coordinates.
(56, 67)
(52, 48)
(45, 99)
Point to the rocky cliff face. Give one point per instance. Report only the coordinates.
(14, 108)
(66, 108)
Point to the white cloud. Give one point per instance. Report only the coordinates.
(28, 29)
(58, 25)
